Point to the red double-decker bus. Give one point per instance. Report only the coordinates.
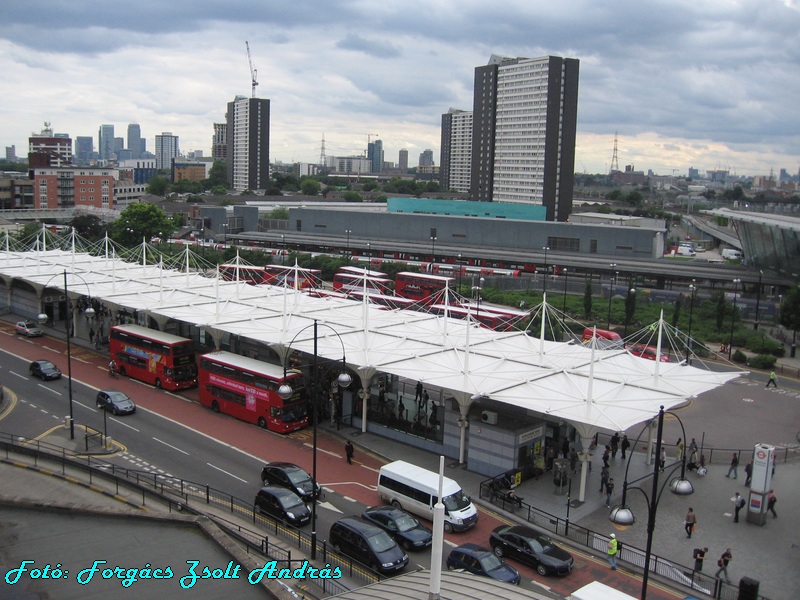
(272, 275)
(350, 282)
(247, 389)
(420, 286)
(160, 359)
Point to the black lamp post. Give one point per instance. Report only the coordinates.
(758, 298)
(283, 249)
(43, 319)
(564, 308)
(224, 234)
(733, 317)
(544, 281)
(460, 268)
(622, 516)
(433, 248)
(285, 391)
(693, 291)
(630, 308)
(348, 232)
(610, 292)
(477, 292)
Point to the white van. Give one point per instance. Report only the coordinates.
(599, 591)
(415, 489)
(732, 254)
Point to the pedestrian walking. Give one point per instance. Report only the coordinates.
(689, 522)
(91, 334)
(423, 405)
(418, 392)
(624, 445)
(734, 466)
(551, 456)
(401, 409)
(748, 473)
(738, 504)
(722, 563)
(771, 500)
(604, 474)
(693, 446)
(692, 464)
(606, 455)
(573, 460)
(348, 450)
(679, 449)
(663, 459)
(773, 379)
(609, 492)
(614, 443)
(612, 552)
(699, 556)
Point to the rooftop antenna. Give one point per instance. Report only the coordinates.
(253, 72)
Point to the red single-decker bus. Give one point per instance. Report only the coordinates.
(160, 359)
(247, 389)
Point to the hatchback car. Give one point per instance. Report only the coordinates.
(282, 504)
(292, 477)
(44, 369)
(368, 544)
(116, 402)
(481, 561)
(28, 329)
(648, 352)
(531, 547)
(404, 528)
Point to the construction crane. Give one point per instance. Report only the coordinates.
(253, 72)
(369, 139)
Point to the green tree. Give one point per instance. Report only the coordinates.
(587, 300)
(790, 314)
(217, 175)
(720, 310)
(310, 187)
(89, 227)
(352, 197)
(141, 221)
(158, 186)
(676, 311)
(280, 213)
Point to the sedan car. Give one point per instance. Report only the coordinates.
(283, 504)
(531, 547)
(44, 369)
(404, 528)
(648, 352)
(290, 476)
(481, 561)
(118, 403)
(28, 329)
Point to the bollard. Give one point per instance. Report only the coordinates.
(109, 443)
(66, 422)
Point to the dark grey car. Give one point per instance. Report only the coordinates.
(44, 369)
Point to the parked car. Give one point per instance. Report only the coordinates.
(368, 544)
(482, 561)
(282, 504)
(44, 369)
(648, 352)
(531, 547)
(403, 527)
(292, 477)
(116, 402)
(28, 329)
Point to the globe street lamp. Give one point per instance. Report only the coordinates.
(733, 317)
(622, 516)
(283, 249)
(630, 308)
(68, 321)
(285, 391)
(564, 308)
(348, 232)
(433, 249)
(544, 281)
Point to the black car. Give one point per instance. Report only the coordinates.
(118, 403)
(283, 504)
(405, 529)
(368, 544)
(531, 547)
(290, 476)
(44, 369)
(481, 561)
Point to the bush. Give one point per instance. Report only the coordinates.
(762, 361)
(739, 357)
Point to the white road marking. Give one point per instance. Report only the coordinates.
(84, 406)
(370, 469)
(226, 472)
(171, 446)
(329, 506)
(49, 389)
(124, 424)
(307, 445)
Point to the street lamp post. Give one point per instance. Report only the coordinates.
(733, 317)
(758, 298)
(224, 234)
(693, 291)
(622, 516)
(43, 319)
(564, 308)
(544, 281)
(285, 391)
(477, 292)
(283, 249)
(348, 232)
(630, 307)
(610, 292)
(433, 249)
(460, 268)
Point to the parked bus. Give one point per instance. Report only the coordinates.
(383, 299)
(160, 359)
(606, 340)
(493, 320)
(272, 275)
(361, 271)
(420, 286)
(350, 282)
(247, 389)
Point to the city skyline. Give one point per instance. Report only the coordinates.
(708, 86)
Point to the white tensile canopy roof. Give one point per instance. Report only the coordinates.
(591, 388)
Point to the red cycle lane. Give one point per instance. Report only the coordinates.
(356, 481)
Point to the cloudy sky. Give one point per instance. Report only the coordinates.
(684, 83)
